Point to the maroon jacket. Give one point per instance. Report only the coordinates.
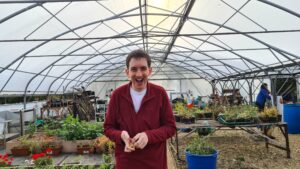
(154, 117)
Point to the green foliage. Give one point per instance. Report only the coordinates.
(52, 124)
(204, 131)
(240, 112)
(23, 141)
(200, 146)
(41, 160)
(107, 164)
(93, 130)
(52, 127)
(31, 128)
(73, 129)
(183, 111)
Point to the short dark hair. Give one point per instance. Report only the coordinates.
(137, 54)
(264, 86)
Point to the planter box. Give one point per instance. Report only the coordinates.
(190, 120)
(85, 150)
(67, 146)
(71, 146)
(55, 151)
(20, 151)
(10, 144)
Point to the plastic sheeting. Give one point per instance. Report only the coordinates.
(55, 46)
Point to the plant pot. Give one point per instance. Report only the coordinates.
(208, 115)
(269, 119)
(85, 150)
(55, 151)
(189, 120)
(199, 115)
(177, 118)
(20, 151)
(201, 161)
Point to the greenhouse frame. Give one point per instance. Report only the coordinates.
(61, 60)
(50, 46)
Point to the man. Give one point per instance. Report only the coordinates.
(139, 118)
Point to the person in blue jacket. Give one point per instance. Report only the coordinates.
(262, 97)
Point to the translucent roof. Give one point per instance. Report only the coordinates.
(55, 45)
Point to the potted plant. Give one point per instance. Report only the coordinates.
(36, 146)
(41, 160)
(104, 145)
(179, 109)
(201, 155)
(269, 115)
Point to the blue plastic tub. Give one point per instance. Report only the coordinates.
(291, 115)
(201, 161)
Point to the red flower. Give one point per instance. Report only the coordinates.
(48, 150)
(189, 106)
(5, 161)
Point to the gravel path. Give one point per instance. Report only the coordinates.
(239, 150)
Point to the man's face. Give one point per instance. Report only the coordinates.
(138, 73)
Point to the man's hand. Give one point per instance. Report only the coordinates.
(129, 146)
(140, 140)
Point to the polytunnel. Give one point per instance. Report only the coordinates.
(229, 71)
(54, 46)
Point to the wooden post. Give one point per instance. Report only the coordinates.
(42, 112)
(22, 122)
(34, 116)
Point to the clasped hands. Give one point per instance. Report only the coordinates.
(140, 141)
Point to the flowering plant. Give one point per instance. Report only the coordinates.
(42, 159)
(5, 161)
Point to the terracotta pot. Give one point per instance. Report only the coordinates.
(55, 151)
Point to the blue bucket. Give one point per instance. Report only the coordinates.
(201, 161)
(291, 115)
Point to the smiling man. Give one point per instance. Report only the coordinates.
(139, 118)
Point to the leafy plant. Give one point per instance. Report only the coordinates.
(52, 124)
(179, 108)
(31, 128)
(107, 164)
(103, 144)
(269, 112)
(35, 146)
(73, 129)
(242, 112)
(23, 141)
(41, 160)
(200, 146)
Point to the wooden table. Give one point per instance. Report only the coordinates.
(249, 128)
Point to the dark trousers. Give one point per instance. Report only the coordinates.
(260, 107)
